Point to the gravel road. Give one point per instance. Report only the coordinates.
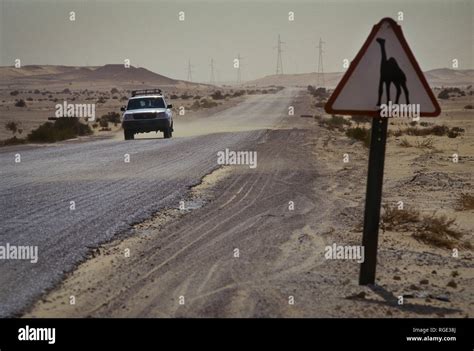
(109, 193)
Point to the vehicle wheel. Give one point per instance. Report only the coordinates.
(128, 134)
(167, 133)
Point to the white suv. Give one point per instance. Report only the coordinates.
(147, 111)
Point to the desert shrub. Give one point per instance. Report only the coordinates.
(103, 123)
(114, 91)
(335, 122)
(14, 93)
(338, 121)
(439, 232)
(425, 143)
(452, 134)
(360, 134)
(421, 144)
(217, 95)
(239, 93)
(12, 141)
(174, 96)
(468, 107)
(465, 202)
(196, 105)
(438, 130)
(61, 129)
(458, 129)
(447, 92)
(14, 127)
(318, 92)
(443, 94)
(361, 119)
(20, 103)
(112, 117)
(320, 104)
(208, 103)
(185, 96)
(101, 100)
(36, 91)
(400, 220)
(405, 143)
(66, 91)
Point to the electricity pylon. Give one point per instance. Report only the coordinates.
(279, 67)
(212, 80)
(190, 71)
(320, 73)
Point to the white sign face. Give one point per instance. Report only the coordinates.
(384, 70)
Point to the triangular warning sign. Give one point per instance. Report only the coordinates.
(384, 64)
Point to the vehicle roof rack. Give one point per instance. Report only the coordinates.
(145, 92)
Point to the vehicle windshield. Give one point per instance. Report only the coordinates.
(136, 104)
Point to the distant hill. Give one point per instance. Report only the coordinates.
(11, 72)
(450, 77)
(118, 75)
(302, 79)
(115, 74)
(436, 78)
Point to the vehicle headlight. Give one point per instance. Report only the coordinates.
(127, 116)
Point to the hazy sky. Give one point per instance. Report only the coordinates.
(150, 34)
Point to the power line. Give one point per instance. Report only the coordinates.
(320, 73)
(279, 66)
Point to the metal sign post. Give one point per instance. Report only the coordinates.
(362, 91)
(373, 199)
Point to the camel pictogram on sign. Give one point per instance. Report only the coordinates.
(390, 73)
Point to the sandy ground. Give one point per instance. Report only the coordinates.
(183, 263)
